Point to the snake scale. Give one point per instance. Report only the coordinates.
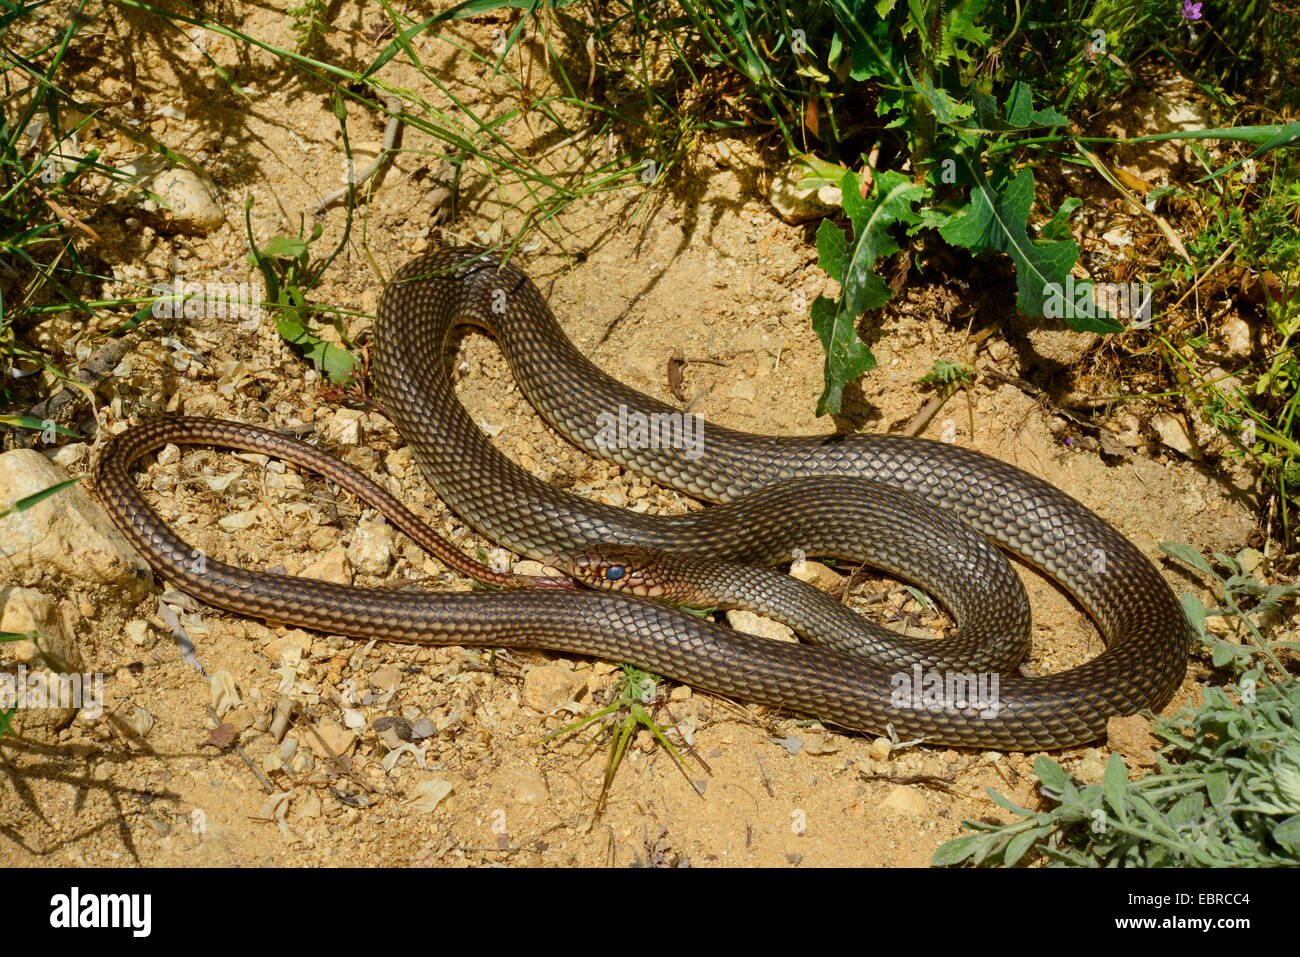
(904, 504)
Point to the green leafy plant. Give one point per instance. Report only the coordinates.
(949, 373)
(1227, 795)
(310, 21)
(949, 91)
(636, 688)
(1250, 231)
(284, 262)
(852, 265)
(1227, 791)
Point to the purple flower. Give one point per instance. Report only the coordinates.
(1191, 11)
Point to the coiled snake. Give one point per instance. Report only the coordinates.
(903, 504)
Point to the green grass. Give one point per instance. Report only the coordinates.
(635, 690)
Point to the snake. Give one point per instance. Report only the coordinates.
(910, 506)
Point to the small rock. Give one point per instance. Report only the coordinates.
(275, 807)
(239, 521)
(821, 744)
(308, 807)
(1130, 430)
(371, 549)
(1174, 433)
(1132, 738)
(322, 538)
(1251, 561)
(752, 624)
(289, 648)
(795, 204)
(224, 693)
(345, 427)
(68, 532)
(815, 573)
(336, 737)
(1091, 767)
(285, 706)
(25, 678)
(140, 634)
(333, 566)
(1052, 340)
(735, 154)
(66, 456)
(530, 787)
(906, 800)
(399, 461)
(1118, 237)
(547, 687)
(139, 721)
(1236, 337)
(24, 610)
(241, 719)
(880, 748)
(189, 201)
(387, 678)
(998, 351)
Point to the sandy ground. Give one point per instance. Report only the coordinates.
(705, 269)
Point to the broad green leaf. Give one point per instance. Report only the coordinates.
(996, 222)
(1058, 228)
(334, 362)
(819, 172)
(1186, 555)
(1051, 773)
(1114, 784)
(284, 247)
(1021, 113)
(946, 110)
(868, 42)
(958, 850)
(1288, 832)
(1020, 104)
(1194, 611)
(1216, 786)
(1006, 804)
(852, 265)
(1017, 846)
(1146, 809)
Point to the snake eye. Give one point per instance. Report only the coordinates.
(615, 573)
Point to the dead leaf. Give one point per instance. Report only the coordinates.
(675, 363)
(223, 736)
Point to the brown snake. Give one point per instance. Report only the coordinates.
(902, 504)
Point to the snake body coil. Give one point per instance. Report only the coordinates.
(821, 494)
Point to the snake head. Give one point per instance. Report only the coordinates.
(630, 569)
